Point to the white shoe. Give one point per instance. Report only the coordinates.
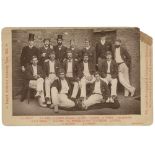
(108, 100)
(133, 92)
(111, 100)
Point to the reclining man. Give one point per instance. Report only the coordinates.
(35, 77)
(51, 68)
(61, 91)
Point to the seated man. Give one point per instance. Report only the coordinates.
(109, 73)
(99, 90)
(51, 70)
(86, 71)
(35, 75)
(70, 67)
(60, 92)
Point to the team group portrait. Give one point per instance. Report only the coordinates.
(76, 71)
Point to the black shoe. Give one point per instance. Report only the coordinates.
(22, 98)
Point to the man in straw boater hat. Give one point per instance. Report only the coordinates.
(60, 49)
(25, 60)
(123, 61)
(61, 92)
(51, 69)
(44, 51)
(35, 79)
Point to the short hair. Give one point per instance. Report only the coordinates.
(34, 56)
(61, 70)
(97, 73)
(46, 40)
(108, 52)
(118, 40)
(52, 52)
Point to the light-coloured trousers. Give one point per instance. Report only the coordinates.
(83, 82)
(93, 99)
(61, 100)
(38, 85)
(113, 82)
(123, 74)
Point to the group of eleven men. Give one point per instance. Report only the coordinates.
(69, 77)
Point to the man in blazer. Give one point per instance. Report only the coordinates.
(109, 73)
(51, 68)
(123, 60)
(61, 92)
(99, 92)
(35, 78)
(86, 70)
(60, 49)
(71, 68)
(90, 51)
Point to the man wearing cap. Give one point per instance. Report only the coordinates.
(71, 68)
(61, 91)
(51, 68)
(90, 51)
(26, 55)
(109, 73)
(44, 51)
(101, 49)
(60, 49)
(35, 80)
(86, 70)
(99, 92)
(123, 61)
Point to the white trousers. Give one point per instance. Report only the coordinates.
(48, 82)
(61, 100)
(93, 99)
(83, 83)
(75, 89)
(113, 83)
(124, 78)
(38, 85)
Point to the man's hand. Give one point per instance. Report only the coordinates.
(35, 77)
(43, 54)
(23, 69)
(46, 60)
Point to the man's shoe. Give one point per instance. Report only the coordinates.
(56, 110)
(22, 98)
(51, 106)
(133, 92)
(43, 105)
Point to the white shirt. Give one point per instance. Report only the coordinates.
(97, 88)
(34, 70)
(70, 69)
(64, 87)
(52, 69)
(118, 57)
(108, 70)
(86, 69)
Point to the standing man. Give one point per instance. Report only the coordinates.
(90, 52)
(44, 51)
(35, 80)
(51, 68)
(71, 68)
(60, 49)
(86, 70)
(123, 60)
(26, 55)
(99, 92)
(109, 73)
(61, 91)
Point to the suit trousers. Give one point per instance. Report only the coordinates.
(61, 100)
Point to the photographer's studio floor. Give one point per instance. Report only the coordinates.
(128, 105)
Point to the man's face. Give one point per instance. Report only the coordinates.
(59, 41)
(109, 56)
(87, 44)
(85, 58)
(34, 61)
(52, 56)
(117, 44)
(97, 76)
(69, 56)
(46, 43)
(62, 76)
(31, 42)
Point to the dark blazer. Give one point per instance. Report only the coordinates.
(91, 53)
(47, 67)
(91, 67)
(104, 89)
(125, 55)
(60, 54)
(29, 72)
(27, 54)
(76, 54)
(57, 84)
(113, 69)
